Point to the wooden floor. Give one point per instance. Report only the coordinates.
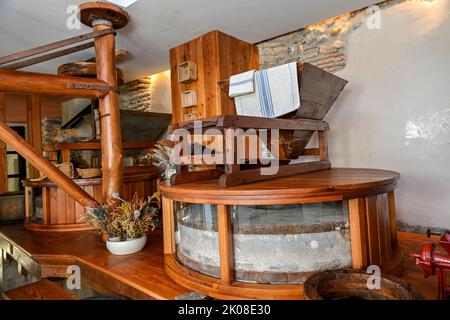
(138, 276)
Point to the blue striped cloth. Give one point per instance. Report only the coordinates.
(276, 93)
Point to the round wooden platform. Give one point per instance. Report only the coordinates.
(326, 185)
(85, 69)
(369, 230)
(91, 11)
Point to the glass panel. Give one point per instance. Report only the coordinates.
(286, 243)
(196, 237)
(272, 244)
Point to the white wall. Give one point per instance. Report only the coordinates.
(161, 100)
(72, 107)
(395, 112)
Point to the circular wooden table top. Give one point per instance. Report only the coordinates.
(91, 11)
(327, 185)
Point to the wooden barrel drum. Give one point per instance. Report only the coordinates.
(263, 240)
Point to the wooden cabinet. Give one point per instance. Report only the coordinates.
(216, 56)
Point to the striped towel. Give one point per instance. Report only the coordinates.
(276, 93)
(243, 83)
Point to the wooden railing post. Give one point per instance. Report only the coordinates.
(109, 115)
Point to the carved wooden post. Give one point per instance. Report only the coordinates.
(103, 16)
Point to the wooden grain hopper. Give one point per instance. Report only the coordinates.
(318, 89)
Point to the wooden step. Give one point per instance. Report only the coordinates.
(40, 290)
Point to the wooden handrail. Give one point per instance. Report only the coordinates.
(10, 137)
(52, 46)
(53, 85)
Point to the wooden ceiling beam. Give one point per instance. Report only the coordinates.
(52, 85)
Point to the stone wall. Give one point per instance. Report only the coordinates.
(49, 126)
(136, 95)
(322, 44)
(147, 94)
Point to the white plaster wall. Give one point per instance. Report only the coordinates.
(395, 111)
(70, 108)
(161, 100)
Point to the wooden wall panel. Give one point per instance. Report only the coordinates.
(392, 218)
(79, 211)
(384, 228)
(168, 221)
(61, 205)
(71, 216)
(16, 107)
(53, 206)
(218, 56)
(34, 128)
(372, 230)
(358, 233)
(3, 165)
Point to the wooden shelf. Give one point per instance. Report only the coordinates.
(95, 145)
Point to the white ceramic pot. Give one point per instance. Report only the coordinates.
(126, 247)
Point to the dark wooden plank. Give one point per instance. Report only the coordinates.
(46, 57)
(254, 175)
(247, 122)
(52, 46)
(372, 230)
(188, 177)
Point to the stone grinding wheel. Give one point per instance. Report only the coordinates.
(85, 69)
(92, 11)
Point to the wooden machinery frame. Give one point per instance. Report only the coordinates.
(104, 18)
(233, 173)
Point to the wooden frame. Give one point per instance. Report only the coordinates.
(236, 174)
